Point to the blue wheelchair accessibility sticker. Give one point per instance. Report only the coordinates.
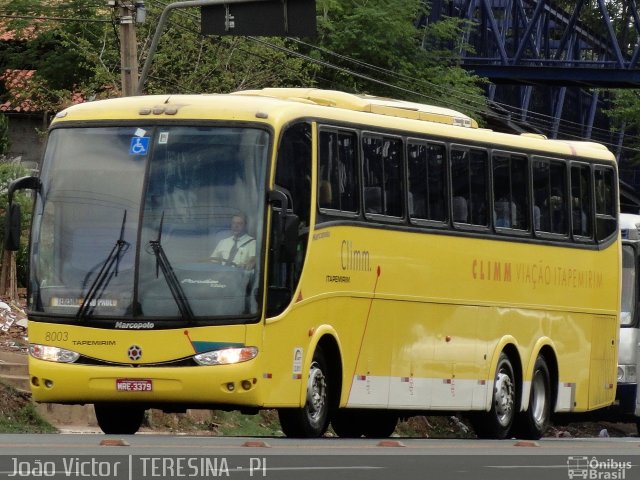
(139, 146)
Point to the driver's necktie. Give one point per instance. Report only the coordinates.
(233, 251)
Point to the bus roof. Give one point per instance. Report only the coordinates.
(368, 103)
(284, 105)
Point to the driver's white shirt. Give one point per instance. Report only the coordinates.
(246, 250)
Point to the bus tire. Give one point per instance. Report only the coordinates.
(118, 419)
(380, 424)
(497, 422)
(312, 420)
(348, 423)
(533, 423)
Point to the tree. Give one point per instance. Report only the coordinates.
(65, 43)
(625, 112)
(216, 64)
(374, 46)
(396, 55)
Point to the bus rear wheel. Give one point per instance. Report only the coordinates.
(311, 420)
(119, 419)
(497, 422)
(349, 423)
(533, 423)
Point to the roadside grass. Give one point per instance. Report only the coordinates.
(18, 414)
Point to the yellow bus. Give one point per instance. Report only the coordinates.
(347, 260)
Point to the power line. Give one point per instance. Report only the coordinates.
(61, 19)
(567, 135)
(535, 119)
(449, 91)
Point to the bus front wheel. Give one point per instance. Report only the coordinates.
(497, 422)
(116, 419)
(312, 419)
(533, 423)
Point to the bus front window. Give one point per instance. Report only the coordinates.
(203, 209)
(129, 218)
(86, 221)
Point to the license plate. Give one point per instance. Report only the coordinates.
(133, 385)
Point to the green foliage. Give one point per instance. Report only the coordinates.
(216, 64)
(625, 110)
(8, 173)
(396, 58)
(19, 415)
(65, 54)
(265, 423)
(393, 56)
(4, 135)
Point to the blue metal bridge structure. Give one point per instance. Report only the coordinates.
(551, 65)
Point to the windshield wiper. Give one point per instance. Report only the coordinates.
(162, 263)
(104, 276)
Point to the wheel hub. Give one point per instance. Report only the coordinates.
(538, 399)
(316, 393)
(504, 399)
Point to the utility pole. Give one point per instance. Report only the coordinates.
(128, 13)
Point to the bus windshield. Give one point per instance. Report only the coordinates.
(162, 222)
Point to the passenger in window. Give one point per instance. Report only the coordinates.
(536, 217)
(238, 250)
(505, 213)
(579, 218)
(460, 210)
(556, 203)
(479, 210)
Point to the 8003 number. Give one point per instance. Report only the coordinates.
(56, 336)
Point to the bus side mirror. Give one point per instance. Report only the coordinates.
(13, 219)
(12, 228)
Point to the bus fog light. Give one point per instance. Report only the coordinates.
(231, 387)
(226, 356)
(246, 384)
(52, 354)
(48, 383)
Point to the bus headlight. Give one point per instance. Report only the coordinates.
(52, 354)
(226, 356)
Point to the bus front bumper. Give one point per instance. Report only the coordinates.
(236, 384)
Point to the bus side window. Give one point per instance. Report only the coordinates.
(294, 168)
(581, 223)
(605, 190)
(469, 179)
(510, 191)
(338, 171)
(293, 175)
(460, 185)
(550, 196)
(427, 181)
(383, 184)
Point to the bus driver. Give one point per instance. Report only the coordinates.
(238, 250)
